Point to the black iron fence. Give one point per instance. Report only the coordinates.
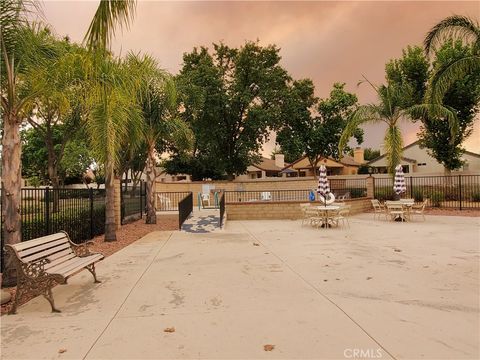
(267, 195)
(44, 211)
(169, 201)
(349, 188)
(222, 209)
(185, 208)
(133, 201)
(455, 191)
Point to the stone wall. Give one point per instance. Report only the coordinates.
(281, 210)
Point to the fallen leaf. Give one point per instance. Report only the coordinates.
(397, 250)
(369, 278)
(169, 330)
(268, 347)
(256, 244)
(61, 351)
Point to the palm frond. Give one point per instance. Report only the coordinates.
(455, 26)
(109, 14)
(436, 112)
(364, 114)
(444, 78)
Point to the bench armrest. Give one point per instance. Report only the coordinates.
(82, 250)
(34, 269)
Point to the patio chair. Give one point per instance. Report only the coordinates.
(378, 209)
(205, 199)
(396, 210)
(163, 202)
(341, 216)
(315, 216)
(266, 196)
(419, 209)
(343, 197)
(304, 208)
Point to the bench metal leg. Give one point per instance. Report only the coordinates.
(91, 268)
(18, 295)
(49, 296)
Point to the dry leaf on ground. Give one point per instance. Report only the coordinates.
(61, 351)
(268, 347)
(169, 330)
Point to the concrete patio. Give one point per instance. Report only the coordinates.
(375, 290)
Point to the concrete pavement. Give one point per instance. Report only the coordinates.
(376, 290)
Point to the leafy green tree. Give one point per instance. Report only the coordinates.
(230, 99)
(59, 106)
(316, 136)
(453, 27)
(462, 97)
(76, 159)
(370, 154)
(413, 71)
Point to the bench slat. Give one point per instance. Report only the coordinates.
(59, 260)
(74, 265)
(48, 245)
(75, 270)
(44, 239)
(45, 253)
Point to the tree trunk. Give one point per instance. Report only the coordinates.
(110, 225)
(11, 189)
(52, 170)
(151, 176)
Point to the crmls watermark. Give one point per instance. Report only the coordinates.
(363, 353)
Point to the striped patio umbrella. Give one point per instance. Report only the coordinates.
(323, 185)
(399, 182)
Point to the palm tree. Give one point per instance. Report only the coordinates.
(390, 111)
(456, 27)
(157, 98)
(18, 42)
(113, 119)
(112, 112)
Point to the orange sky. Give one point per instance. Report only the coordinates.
(325, 41)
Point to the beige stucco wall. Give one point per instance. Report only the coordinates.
(281, 210)
(432, 166)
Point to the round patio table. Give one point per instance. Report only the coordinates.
(326, 210)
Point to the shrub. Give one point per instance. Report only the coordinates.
(476, 196)
(357, 193)
(451, 194)
(436, 198)
(77, 225)
(417, 194)
(384, 194)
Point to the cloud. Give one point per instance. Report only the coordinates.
(325, 41)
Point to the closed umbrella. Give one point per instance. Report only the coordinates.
(399, 182)
(323, 188)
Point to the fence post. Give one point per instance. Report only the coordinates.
(90, 196)
(460, 189)
(411, 186)
(371, 187)
(47, 210)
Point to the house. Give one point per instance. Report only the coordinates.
(347, 165)
(415, 159)
(265, 168)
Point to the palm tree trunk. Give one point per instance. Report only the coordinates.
(11, 188)
(151, 176)
(53, 172)
(110, 225)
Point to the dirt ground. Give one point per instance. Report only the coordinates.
(126, 235)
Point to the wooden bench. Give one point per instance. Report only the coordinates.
(43, 262)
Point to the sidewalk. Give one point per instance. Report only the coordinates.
(229, 293)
